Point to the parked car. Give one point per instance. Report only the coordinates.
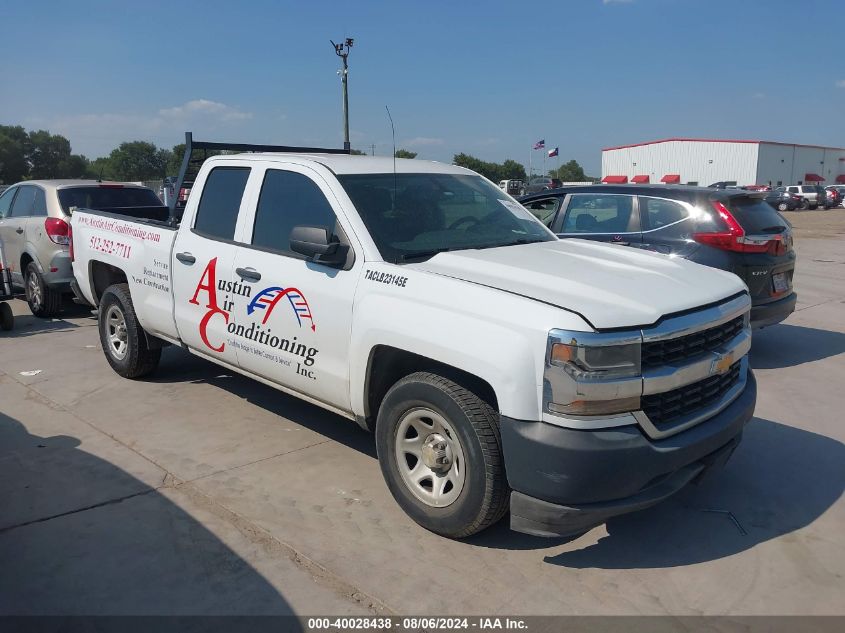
(783, 200)
(34, 230)
(730, 229)
(809, 193)
(542, 183)
(513, 187)
(836, 195)
(499, 367)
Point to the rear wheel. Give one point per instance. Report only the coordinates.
(783, 207)
(44, 302)
(804, 205)
(121, 336)
(7, 319)
(440, 453)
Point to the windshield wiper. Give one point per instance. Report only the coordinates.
(520, 241)
(424, 254)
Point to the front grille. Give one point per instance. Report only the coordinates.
(665, 408)
(658, 353)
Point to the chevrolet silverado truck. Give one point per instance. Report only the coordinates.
(498, 367)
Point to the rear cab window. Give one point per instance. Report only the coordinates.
(217, 212)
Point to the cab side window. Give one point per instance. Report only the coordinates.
(598, 213)
(289, 199)
(217, 213)
(544, 210)
(6, 201)
(24, 202)
(657, 213)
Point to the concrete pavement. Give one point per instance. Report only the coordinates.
(197, 491)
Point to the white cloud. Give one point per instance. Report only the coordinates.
(423, 140)
(204, 107)
(96, 134)
(840, 83)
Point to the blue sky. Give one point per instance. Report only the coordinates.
(487, 78)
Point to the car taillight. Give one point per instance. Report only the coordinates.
(57, 230)
(734, 238)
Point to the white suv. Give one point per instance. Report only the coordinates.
(34, 231)
(809, 193)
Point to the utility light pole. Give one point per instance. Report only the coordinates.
(342, 50)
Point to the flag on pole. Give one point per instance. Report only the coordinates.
(540, 144)
(553, 152)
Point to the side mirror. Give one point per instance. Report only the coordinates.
(317, 244)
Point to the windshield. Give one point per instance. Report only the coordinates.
(107, 197)
(415, 216)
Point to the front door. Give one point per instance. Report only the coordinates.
(204, 286)
(294, 324)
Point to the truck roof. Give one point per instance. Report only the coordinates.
(346, 164)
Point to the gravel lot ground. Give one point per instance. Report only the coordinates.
(201, 492)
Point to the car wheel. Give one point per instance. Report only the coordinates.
(121, 336)
(440, 452)
(44, 302)
(783, 207)
(7, 319)
(804, 204)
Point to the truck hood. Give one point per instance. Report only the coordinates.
(608, 285)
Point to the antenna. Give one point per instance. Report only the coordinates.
(393, 132)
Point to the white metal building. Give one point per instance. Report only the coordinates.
(705, 161)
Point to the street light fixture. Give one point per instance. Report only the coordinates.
(342, 50)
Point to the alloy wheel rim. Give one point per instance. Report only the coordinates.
(116, 332)
(430, 457)
(33, 289)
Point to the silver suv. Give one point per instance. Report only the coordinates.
(34, 231)
(808, 193)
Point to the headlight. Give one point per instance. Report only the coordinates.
(592, 374)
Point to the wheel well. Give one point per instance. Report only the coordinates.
(26, 258)
(104, 275)
(388, 365)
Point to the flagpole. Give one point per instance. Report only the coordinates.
(530, 156)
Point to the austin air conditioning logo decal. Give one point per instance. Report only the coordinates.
(254, 336)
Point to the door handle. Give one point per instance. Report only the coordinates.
(19, 230)
(248, 273)
(186, 258)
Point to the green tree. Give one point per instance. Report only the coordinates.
(570, 172)
(138, 160)
(494, 171)
(48, 154)
(14, 150)
(403, 153)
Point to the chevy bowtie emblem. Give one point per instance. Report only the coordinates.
(722, 364)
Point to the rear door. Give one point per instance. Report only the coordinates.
(604, 217)
(204, 281)
(667, 225)
(768, 275)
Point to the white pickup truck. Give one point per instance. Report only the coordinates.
(498, 367)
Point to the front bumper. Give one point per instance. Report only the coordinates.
(773, 312)
(566, 481)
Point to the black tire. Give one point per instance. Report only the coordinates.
(44, 302)
(7, 319)
(136, 359)
(804, 204)
(484, 495)
(783, 207)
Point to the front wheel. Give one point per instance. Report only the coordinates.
(440, 452)
(804, 205)
(122, 337)
(44, 302)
